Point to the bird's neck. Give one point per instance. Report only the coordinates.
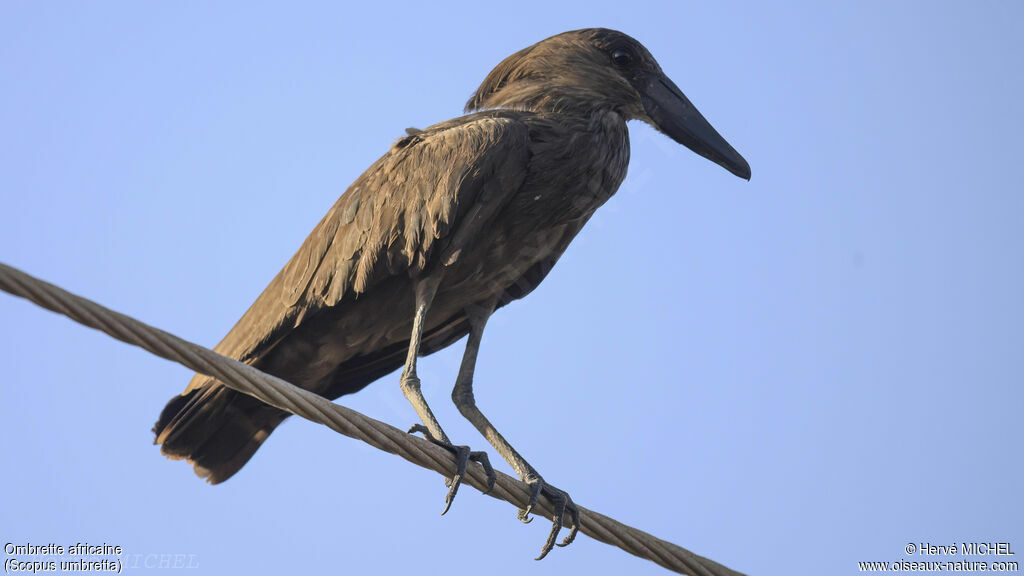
(542, 98)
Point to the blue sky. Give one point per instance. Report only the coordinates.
(788, 375)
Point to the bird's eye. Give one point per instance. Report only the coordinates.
(622, 57)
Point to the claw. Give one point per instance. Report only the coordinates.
(536, 486)
(461, 460)
(555, 527)
(462, 457)
(561, 502)
(423, 430)
(574, 513)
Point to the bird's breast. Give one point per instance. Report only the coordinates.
(575, 167)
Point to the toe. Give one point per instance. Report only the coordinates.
(482, 459)
(574, 515)
(536, 486)
(558, 499)
(461, 461)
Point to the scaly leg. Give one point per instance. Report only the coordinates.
(431, 429)
(462, 394)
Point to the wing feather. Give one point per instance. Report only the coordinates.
(416, 207)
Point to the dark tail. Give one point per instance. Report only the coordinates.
(215, 428)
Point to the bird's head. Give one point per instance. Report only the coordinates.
(596, 68)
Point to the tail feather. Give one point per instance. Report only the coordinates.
(215, 428)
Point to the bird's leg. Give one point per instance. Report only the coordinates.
(462, 394)
(425, 290)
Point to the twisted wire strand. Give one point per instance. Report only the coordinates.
(281, 394)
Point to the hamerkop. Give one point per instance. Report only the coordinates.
(452, 223)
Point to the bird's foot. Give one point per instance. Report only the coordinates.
(463, 455)
(561, 503)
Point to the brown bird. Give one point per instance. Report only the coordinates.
(453, 222)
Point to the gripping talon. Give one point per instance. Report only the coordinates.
(462, 457)
(575, 528)
(536, 486)
(482, 459)
(461, 461)
(422, 430)
(560, 501)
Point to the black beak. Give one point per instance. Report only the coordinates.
(674, 114)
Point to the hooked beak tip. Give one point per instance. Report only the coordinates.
(743, 171)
